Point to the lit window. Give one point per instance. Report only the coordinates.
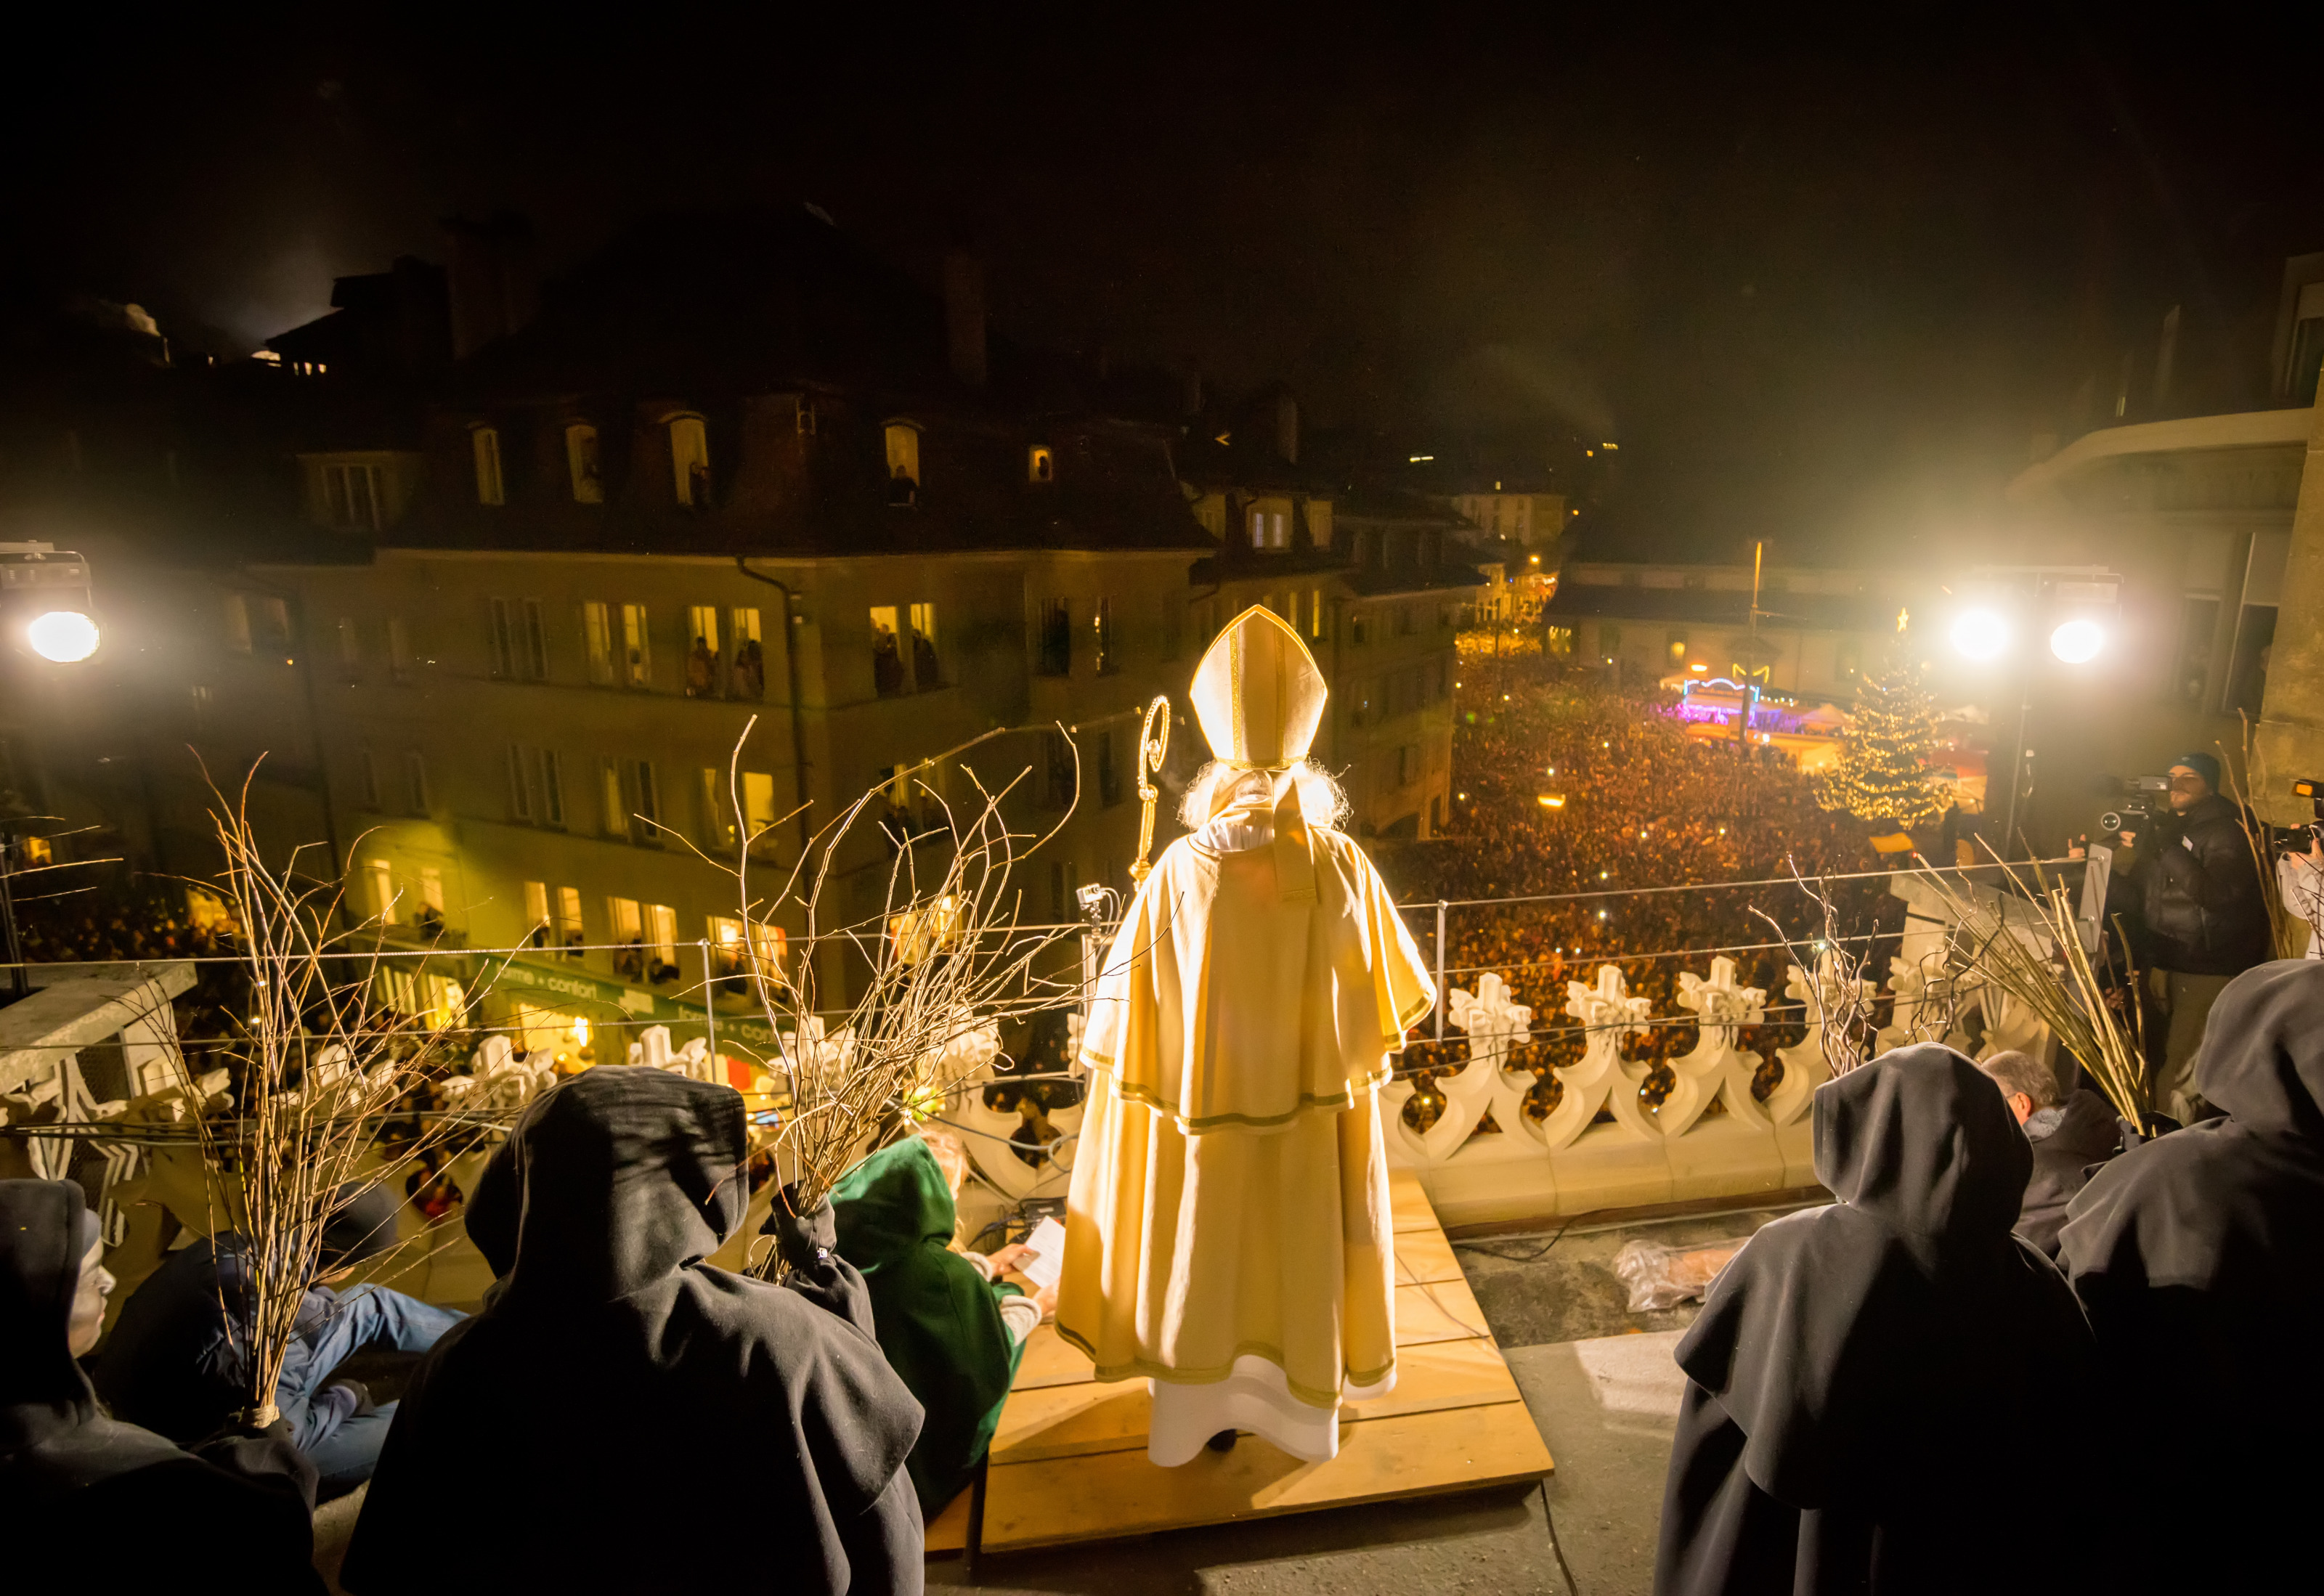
(1040, 464)
(748, 677)
(637, 647)
(569, 918)
(237, 623)
(648, 801)
(661, 932)
(382, 890)
(926, 672)
(718, 814)
(486, 442)
(702, 650)
(887, 652)
(1315, 614)
(903, 452)
(609, 796)
(350, 497)
(596, 621)
(690, 460)
(536, 912)
(581, 464)
(758, 803)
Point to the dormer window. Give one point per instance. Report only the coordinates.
(903, 452)
(1040, 464)
(690, 460)
(1270, 524)
(581, 464)
(486, 443)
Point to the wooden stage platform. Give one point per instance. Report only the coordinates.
(1068, 1462)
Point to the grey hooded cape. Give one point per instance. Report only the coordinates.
(1861, 1373)
(2200, 1258)
(148, 1514)
(621, 1416)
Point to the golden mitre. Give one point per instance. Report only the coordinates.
(1258, 692)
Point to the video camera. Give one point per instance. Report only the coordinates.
(2298, 839)
(2142, 797)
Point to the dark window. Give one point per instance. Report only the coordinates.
(536, 641)
(1061, 775)
(2247, 671)
(649, 810)
(1109, 775)
(2199, 631)
(503, 641)
(1056, 639)
(1102, 623)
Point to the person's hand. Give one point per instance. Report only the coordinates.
(2079, 848)
(1011, 1259)
(2129, 838)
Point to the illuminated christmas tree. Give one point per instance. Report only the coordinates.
(1883, 770)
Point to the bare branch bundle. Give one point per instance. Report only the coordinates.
(1833, 978)
(2041, 963)
(322, 1059)
(2288, 932)
(942, 963)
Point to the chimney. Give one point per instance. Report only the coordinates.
(1287, 427)
(489, 273)
(964, 296)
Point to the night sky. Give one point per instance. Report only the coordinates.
(1820, 278)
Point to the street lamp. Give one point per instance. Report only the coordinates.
(2075, 597)
(65, 637)
(2078, 642)
(44, 595)
(1980, 634)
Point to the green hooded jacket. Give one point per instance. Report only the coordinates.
(936, 1318)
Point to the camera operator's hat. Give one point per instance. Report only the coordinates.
(2203, 765)
(1258, 692)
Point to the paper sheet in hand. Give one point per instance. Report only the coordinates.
(1048, 1241)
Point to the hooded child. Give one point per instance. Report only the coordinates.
(178, 1357)
(1227, 1232)
(1862, 1373)
(623, 1417)
(2199, 1256)
(949, 1328)
(148, 1514)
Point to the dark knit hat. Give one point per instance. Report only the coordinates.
(2203, 765)
(363, 1227)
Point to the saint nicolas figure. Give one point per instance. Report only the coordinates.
(1228, 1235)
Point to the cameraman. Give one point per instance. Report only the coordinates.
(2196, 890)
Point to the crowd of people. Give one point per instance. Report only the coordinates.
(1633, 802)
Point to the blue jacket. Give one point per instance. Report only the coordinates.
(177, 1359)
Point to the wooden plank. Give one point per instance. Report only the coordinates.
(1075, 1421)
(1050, 1359)
(1428, 1311)
(948, 1532)
(1408, 1203)
(1424, 1255)
(1442, 1310)
(1120, 1493)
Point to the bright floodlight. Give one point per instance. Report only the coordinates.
(1980, 634)
(2078, 643)
(65, 636)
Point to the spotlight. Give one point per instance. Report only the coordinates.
(65, 636)
(2078, 643)
(1980, 634)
